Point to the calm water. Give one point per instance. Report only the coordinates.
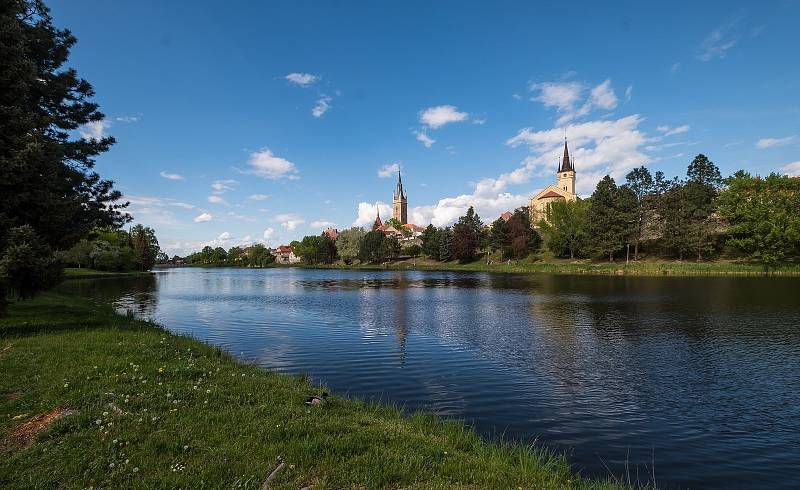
(700, 376)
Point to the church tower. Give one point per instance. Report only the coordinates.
(400, 202)
(566, 172)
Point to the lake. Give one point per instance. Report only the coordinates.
(695, 379)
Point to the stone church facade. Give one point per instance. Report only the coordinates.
(563, 190)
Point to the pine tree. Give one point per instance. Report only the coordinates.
(611, 217)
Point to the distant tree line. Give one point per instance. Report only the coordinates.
(256, 255)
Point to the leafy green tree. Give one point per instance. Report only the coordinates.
(498, 239)
(145, 247)
(235, 255)
(259, 256)
(446, 244)
(316, 249)
(78, 254)
(611, 217)
(413, 250)
(347, 244)
(394, 222)
(764, 216)
(430, 242)
(642, 184)
(567, 227)
(522, 239)
(391, 247)
(372, 248)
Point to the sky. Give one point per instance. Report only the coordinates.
(242, 122)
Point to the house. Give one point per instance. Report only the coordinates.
(331, 233)
(284, 254)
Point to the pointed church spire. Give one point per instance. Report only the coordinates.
(378, 223)
(566, 163)
(398, 191)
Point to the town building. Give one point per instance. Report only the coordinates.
(564, 190)
(407, 233)
(400, 202)
(331, 233)
(284, 254)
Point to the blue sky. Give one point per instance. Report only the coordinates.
(242, 122)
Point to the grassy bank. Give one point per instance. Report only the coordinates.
(654, 268)
(84, 273)
(89, 398)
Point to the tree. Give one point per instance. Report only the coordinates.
(46, 178)
(412, 250)
(445, 240)
(78, 254)
(347, 244)
(373, 249)
(498, 239)
(764, 216)
(145, 247)
(611, 217)
(394, 222)
(259, 256)
(522, 239)
(641, 183)
(567, 227)
(430, 242)
(316, 249)
(27, 265)
(466, 236)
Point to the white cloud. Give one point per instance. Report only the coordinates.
(94, 130)
(321, 223)
(597, 147)
(565, 96)
(770, 142)
(628, 93)
(289, 221)
(389, 170)
(479, 121)
(171, 176)
(240, 217)
(224, 236)
(267, 235)
(202, 218)
(438, 116)
(323, 104)
(182, 205)
(265, 164)
(127, 119)
(424, 138)
(215, 199)
(258, 197)
(792, 169)
(368, 211)
(669, 131)
(222, 186)
(446, 211)
(719, 41)
(302, 79)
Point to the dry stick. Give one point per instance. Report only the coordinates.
(272, 476)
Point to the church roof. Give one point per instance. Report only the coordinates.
(399, 193)
(378, 223)
(550, 194)
(566, 163)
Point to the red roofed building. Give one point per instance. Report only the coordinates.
(331, 233)
(284, 254)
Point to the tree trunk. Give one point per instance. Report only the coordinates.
(611, 256)
(636, 250)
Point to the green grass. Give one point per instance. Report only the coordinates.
(83, 273)
(155, 410)
(555, 266)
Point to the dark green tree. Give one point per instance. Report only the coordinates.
(373, 249)
(498, 239)
(466, 236)
(611, 217)
(642, 184)
(145, 247)
(446, 244)
(316, 249)
(430, 242)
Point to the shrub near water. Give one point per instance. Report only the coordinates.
(149, 409)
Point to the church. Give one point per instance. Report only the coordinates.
(564, 190)
(408, 231)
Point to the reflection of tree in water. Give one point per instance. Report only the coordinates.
(134, 294)
(400, 307)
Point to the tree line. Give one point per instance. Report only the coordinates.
(256, 255)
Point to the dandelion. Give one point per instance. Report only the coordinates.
(136, 469)
(98, 421)
(161, 369)
(195, 387)
(111, 465)
(185, 448)
(66, 385)
(105, 414)
(208, 391)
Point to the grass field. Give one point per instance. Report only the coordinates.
(555, 266)
(91, 399)
(83, 273)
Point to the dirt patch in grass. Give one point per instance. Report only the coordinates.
(24, 435)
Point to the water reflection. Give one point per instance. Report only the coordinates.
(696, 374)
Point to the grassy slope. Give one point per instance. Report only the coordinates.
(158, 410)
(84, 273)
(556, 266)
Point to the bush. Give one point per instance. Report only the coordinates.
(27, 265)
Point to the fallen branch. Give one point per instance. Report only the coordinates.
(272, 476)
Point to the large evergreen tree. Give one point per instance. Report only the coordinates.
(641, 183)
(611, 217)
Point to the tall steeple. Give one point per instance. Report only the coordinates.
(378, 223)
(400, 202)
(566, 163)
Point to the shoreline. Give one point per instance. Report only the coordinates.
(84, 273)
(129, 404)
